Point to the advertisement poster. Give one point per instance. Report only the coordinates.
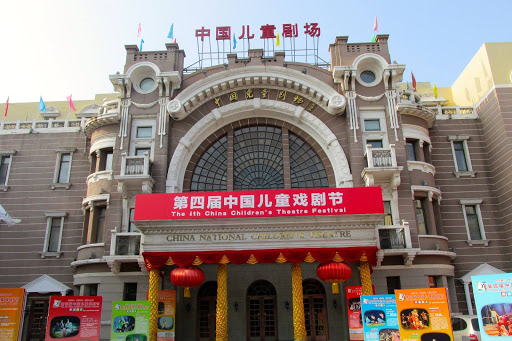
(424, 314)
(166, 315)
(12, 304)
(130, 321)
(380, 318)
(493, 300)
(74, 318)
(355, 322)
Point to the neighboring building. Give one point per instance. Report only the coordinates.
(261, 122)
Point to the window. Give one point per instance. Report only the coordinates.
(130, 292)
(411, 151)
(62, 175)
(144, 132)
(375, 143)
(368, 76)
(109, 158)
(95, 208)
(142, 137)
(142, 151)
(421, 216)
(388, 217)
(53, 239)
(372, 125)
(90, 290)
(463, 167)
(131, 225)
(393, 284)
(5, 167)
(99, 224)
(473, 220)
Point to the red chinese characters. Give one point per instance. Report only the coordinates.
(223, 33)
(248, 35)
(290, 31)
(267, 31)
(203, 32)
(312, 29)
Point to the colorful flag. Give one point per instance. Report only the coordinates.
(138, 31)
(42, 107)
(175, 40)
(171, 33)
(277, 40)
(71, 105)
(374, 38)
(413, 81)
(435, 90)
(6, 107)
(234, 42)
(141, 42)
(375, 25)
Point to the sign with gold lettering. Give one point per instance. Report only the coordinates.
(260, 203)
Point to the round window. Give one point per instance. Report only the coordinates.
(367, 76)
(147, 84)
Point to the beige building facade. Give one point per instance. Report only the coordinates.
(260, 122)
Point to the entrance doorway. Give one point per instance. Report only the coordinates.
(207, 311)
(261, 312)
(37, 318)
(315, 310)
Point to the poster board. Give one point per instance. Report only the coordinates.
(493, 300)
(12, 305)
(355, 322)
(424, 314)
(380, 318)
(74, 318)
(130, 321)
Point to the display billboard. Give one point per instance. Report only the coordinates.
(130, 321)
(380, 318)
(12, 305)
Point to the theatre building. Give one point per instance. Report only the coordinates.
(258, 171)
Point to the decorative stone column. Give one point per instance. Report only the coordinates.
(366, 277)
(299, 321)
(154, 283)
(222, 303)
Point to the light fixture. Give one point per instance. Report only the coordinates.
(236, 306)
(287, 305)
(334, 303)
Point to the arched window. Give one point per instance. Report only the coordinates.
(206, 311)
(315, 310)
(261, 311)
(258, 156)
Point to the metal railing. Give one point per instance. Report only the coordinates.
(380, 157)
(136, 165)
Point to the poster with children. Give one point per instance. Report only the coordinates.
(380, 318)
(493, 300)
(74, 318)
(130, 321)
(424, 314)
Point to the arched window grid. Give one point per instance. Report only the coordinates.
(261, 288)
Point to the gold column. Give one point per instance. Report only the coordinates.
(366, 277)
(299, 322)
(222, 303)
(154, 283)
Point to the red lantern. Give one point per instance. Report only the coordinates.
(187, 277)
(334, 273)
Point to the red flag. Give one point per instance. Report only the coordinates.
(71, 105)
(6, 106)
(138, 31)
(175, 40)
(375, 25)
(413, 81)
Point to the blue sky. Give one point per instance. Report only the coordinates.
(53, 48)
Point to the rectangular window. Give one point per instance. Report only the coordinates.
(54, 235)
(90, 290)
(411, 151)
(460, 156)
(141, 151)
(104, 158)
(131, 225)
(64, 168)
(99, 228)
(144, 132)
(388, 217)
(109, 158)
(372, 125)
(4, 169)
(130, 292)
(375, 143)
(473, 224)
(53, 238)
(421, 216)
(393, 284)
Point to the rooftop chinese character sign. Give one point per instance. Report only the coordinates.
(260, 203)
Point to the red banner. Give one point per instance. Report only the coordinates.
(250, 204)
(74, 318)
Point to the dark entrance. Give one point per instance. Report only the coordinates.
(261, 312)
(38, 313)
(207, 311)
(315, 310)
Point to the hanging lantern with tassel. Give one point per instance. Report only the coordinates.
(334, 273)
(187, 277)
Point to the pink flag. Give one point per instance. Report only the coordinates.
(71, 105)
(138, 31)
(375, 25)
(413, 81)
(6, 106)
(175, 40)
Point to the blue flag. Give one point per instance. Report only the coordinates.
(42, 107)
(141, 42)
(171, 34)
(234, 42)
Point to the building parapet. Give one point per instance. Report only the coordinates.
(42, 126)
